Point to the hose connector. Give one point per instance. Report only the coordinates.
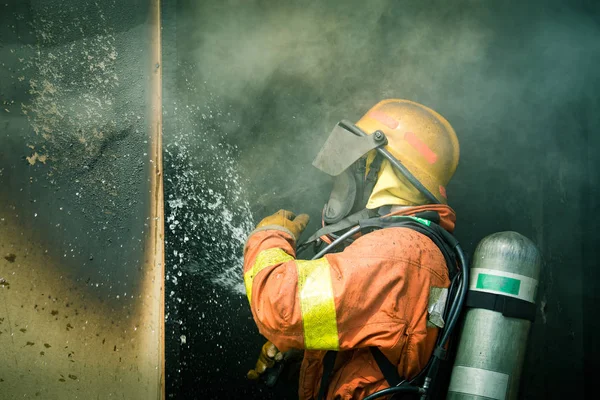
(425, 388)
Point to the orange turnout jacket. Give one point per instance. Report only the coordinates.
(374, 293)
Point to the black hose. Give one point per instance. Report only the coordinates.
(394, 161)
(452, 290)
(450, 314)
(394, 390)
(454, 307)
(337, 242)
(457, 307)
(300, 248)
(447, 309)
(451, 324)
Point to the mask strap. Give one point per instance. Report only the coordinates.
(359, 169)
(371, 178)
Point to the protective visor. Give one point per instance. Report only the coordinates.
(343, 147)
(347, 143)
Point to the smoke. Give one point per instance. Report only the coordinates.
(502, 74)
(517, 80)
(274, 77)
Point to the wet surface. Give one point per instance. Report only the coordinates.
(74, 146)
(74, 201)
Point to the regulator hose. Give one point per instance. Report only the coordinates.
(395, 390)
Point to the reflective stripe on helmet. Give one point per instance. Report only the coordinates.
(317, 305)
(421, 147)
(265, 258)
(384, 119)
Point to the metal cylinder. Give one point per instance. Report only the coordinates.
(492, 346)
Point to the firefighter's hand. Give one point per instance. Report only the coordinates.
(267, 358)
(286, 220)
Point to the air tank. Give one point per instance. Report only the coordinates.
(502, 293)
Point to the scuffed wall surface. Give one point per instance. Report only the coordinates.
(518, 81)
(80, 131)
(74, 201)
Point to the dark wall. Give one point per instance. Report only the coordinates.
(252, 88)
(73, 141)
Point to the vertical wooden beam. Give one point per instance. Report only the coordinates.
(155, 251)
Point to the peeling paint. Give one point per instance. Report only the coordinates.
(36, 157)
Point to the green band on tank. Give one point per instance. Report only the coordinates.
(498, 283)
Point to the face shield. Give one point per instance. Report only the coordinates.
(343, 148)
(343, 157)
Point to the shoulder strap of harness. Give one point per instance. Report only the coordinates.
(389, 370)
(328, 364)
(346, 223)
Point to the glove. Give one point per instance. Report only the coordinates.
(286, 221)
(268, 355)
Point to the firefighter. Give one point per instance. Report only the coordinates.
(385, 292)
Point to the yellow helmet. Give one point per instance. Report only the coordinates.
(422, 140)
(416, 153)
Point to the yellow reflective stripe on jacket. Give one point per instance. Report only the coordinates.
(317, 305)
(265, 258)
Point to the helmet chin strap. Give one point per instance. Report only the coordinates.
(371, 178)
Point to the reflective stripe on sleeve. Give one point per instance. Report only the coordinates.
(265, 258)
(317, 305)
